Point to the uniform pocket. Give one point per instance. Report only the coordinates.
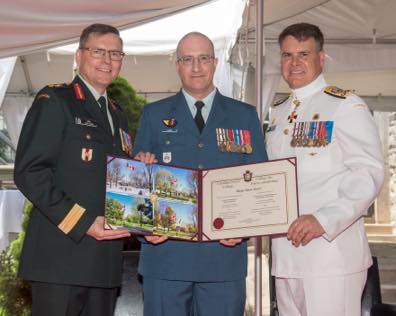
(83, 148)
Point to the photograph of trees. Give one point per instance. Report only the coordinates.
(151, 199)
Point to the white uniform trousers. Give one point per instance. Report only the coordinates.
(327, 296)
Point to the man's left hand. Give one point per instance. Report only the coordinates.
(230, 242)
(304, 229)
(145, 157)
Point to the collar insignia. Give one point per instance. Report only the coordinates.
(78, 91)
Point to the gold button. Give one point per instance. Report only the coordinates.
(88, 136)
(286, 131)
(201, 145)
(167, 142)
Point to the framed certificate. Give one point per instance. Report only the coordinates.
(201, 205)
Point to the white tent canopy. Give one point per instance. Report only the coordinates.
(161, 36)
(28, 26)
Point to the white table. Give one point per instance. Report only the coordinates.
(11, 213)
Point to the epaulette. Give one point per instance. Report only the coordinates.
(58, 85)
(337, 92)
(42, 95)
(280, 101)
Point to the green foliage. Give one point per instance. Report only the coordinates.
(15, 297)
(132, 104)
(114, 211)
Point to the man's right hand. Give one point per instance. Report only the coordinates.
(156, 239)
(98, 231)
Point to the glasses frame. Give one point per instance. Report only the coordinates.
(103, 53)
(201, 59)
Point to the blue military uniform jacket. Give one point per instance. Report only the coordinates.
(60, 167)
(180, 143)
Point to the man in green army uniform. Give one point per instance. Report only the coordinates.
(73, 263)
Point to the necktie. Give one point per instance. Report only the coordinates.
(103, 110)
(198, 117)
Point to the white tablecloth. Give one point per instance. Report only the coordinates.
(11, 212)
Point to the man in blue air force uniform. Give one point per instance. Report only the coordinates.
(188, 278)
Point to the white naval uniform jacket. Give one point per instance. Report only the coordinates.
(336, 183)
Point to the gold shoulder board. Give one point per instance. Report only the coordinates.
(337, 92)
(58, 85)
(280, 101)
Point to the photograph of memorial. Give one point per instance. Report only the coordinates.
(151, 199)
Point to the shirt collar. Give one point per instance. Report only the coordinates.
(95, 94)
(208, 100)
(318, 84)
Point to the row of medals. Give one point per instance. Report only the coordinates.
(230, 146)
(303, 141)
(300, 139)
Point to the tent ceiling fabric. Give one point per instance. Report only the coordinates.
(346, 20)
(276, 10)
(28, 25)
(160, 37)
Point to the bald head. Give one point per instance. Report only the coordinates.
(193, 35)
(196, 64)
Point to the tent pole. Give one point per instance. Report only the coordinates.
(259, 107)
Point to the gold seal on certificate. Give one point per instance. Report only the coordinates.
(201, 205)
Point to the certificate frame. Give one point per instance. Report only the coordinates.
(201, 205)
(268, 190)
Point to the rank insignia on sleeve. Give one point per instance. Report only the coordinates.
(86, 154)
(78, 91)
(169, 122)
(337, 92)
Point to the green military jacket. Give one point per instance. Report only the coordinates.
(60, 166)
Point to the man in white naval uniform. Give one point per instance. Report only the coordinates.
(321, 265)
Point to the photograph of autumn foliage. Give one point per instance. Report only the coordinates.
(151, 199)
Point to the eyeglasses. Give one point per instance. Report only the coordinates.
(97, 53)
(189, 60)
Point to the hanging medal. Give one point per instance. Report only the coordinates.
(293, 142)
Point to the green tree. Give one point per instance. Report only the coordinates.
(15, 298)
(114, 211)
(163, 180)
(132, 104)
